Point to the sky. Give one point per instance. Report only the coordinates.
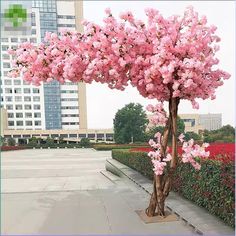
(103, 103)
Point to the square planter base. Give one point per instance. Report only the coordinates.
(156, 219)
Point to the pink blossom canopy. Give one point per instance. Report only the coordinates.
(162, 58)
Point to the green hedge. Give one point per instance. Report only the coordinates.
(109, 147)
(212, 187)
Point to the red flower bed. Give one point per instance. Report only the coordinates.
(11, 148)
(218, 151)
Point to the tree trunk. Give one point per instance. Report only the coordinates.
(157, 183)
(162, 184)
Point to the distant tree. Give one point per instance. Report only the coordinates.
(224, 134)
(33, 142)
(85, 142)
(152, 131)
(11, 141)
(227, 130)
(192, 135)
(130, 124)
(180, 126)
(1, 140)
(49, 142)
(61, 140)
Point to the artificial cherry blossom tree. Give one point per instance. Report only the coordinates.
(167, 59)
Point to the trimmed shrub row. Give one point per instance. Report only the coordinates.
(11, 148)
(212, 187)
(109, 147)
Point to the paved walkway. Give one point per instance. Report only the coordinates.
(63, 191)
(197, 217)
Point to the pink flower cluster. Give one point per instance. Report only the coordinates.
(191, 151)
(158, 161)
(159, 114)
(163, 58)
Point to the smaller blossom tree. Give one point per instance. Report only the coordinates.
(167, 59)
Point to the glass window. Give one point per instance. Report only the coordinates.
(7, 82)
(35, 90)
(11, 123)
(6, 57)
(19, 115)
(8, 90)
(28, 115)
(26, 82)
(14, 40)
(19, 107)
(9, 107)
(22, 40)
(10, 115)
(6, 65)
(28, 123)
(26, 90)
(37, 122)
(36, 99)
(18, 99)
(17, 90)
(5, 73)
(33, 40)
(4, 40)
(27, 99)
(28, 107)
(33, 31)
(19, 123)
(36, 107)
(14, 47)
(17, 82)
(4, 47)
(8, 99)
(37, 115)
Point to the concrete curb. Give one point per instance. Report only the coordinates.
(202, 223)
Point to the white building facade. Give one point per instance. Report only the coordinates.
(69, 91)
(49, 106)
(24, 102)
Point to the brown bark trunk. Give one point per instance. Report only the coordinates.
(173, 109)
(157, 200)
(162, 184)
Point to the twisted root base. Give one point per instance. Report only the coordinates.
(156, 219)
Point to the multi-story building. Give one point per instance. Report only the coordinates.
(211, 121)
(65, 105)
(51, 106)
(198, 122)
(24, 102)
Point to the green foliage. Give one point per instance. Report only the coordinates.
(180, 126)
(2, 140)
(11, 141)
(108, 147)
(136, 160)
(225, 134)
(130, 124)
(85, 142)
(180, 129)
(192, 135)
(212, 187)
(152, 131)
(50, 142)
(33, 142)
